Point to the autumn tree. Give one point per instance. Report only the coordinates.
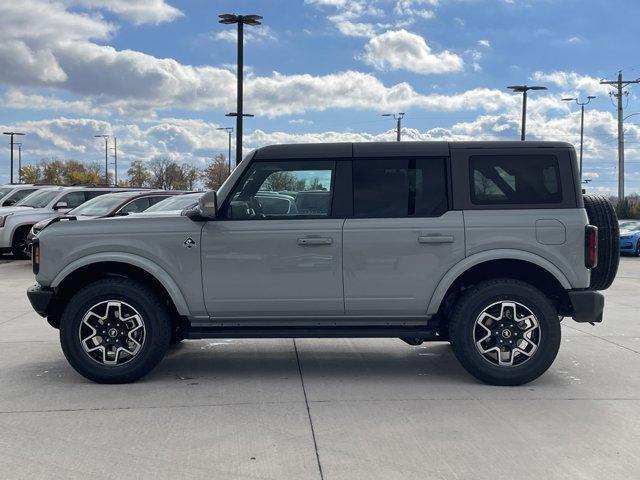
(138, 175)
(215, 173)
(31, 174)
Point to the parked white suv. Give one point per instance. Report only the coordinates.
(16, 221)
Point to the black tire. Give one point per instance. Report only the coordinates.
(19, 246)
(462, 325)
(157, 328)
(602, 215)
(637, 252)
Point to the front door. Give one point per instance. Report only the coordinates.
(275, 249)
(402, 238)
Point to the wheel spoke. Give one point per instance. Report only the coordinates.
(112, 332)
(507, 333)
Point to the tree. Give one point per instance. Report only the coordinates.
(31, 174)
(191, 175)
(215, 173)
(158, 172)
(138, 174)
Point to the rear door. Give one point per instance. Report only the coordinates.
(402, 238)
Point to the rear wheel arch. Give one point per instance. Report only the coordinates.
(535, 271)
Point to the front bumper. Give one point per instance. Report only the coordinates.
(628, 245)
(587, 305)
(42, 299)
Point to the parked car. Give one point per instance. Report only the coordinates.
(482, 244)
(12, 194)
(108, 205)
(16, 221)
(174, 205)
(630, 237)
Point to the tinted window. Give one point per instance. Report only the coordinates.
(95, 193)
(73, 199)
(507, 180)
(136, 206)
(399, 187)
(20, 194)
(284, 189)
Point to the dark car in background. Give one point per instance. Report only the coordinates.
(109, 205)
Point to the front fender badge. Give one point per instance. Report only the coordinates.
(189, 242)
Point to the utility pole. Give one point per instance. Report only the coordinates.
(524, 89)
(619, 84)
(582, 105)
(398, 118)
(19, 162)
(12, 134)
(106, 157)
(115, 160)
(229, 131)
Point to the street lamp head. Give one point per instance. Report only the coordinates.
(228, 18)
(524, 88)
(591, 97)
(537, 88)
(251, 19)
(101, 136)
(569, 99)
(387, 114)
(13, 133)
(234, 114)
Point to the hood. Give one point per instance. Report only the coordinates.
(630, 231)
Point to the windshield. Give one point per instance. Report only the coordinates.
(102, 205)
(179, 202)
(39, 199)
(4, 191)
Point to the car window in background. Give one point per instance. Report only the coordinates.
(136, 206)
(39, 199)
(98, 206)
(4, 191)
(397, 188)
(73, 199)
(179, 202)
(91, 194)
(20, 194)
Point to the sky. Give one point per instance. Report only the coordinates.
(160, 75)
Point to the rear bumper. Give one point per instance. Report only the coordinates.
(587, 305)
(42, 299)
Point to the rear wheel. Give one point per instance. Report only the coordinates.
(115, 330)
(504, 332)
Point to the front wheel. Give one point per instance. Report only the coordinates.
(505, 332)
(115, 330)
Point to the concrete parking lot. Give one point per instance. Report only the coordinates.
(321, 409)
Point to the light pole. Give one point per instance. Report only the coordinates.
(241, 20)
(12, 134)
(19, 162)
(524, 89)
(106, 157)
(582, 104)
(398, 118)
(229, 131)
(115, 162)
(238, 137)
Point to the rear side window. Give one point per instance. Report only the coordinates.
(511, 180)
(399, 187)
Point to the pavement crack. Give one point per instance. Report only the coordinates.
(306, 401)
(604, 339)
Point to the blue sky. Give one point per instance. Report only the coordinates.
(159, 74)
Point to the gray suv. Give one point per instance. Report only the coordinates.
(486, 245)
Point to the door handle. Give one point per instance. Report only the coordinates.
(433, 239)
(315, 241)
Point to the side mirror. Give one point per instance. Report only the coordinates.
(60, 206)
(207, 207)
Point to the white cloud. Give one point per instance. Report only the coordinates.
(136, 11)
(416, 8)
(255, 34)
(403, 50)
(572, 81)
(484, 43)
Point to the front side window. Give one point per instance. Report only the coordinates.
(39, 198)
(513, 180)
(20, 194)
(73, 199)
(399, 187)
(296, 189)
